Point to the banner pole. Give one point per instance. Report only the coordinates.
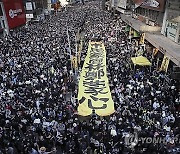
(76, 40)
(69, 46)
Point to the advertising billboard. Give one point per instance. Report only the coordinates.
(157, 5)
(14, 12)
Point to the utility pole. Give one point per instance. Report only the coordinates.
(76, 41)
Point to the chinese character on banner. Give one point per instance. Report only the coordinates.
(142, 38)
(165, 64)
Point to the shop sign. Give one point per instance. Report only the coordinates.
(171, 30)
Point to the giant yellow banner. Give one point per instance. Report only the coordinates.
(94, 94)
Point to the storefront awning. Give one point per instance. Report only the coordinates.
(142, 61)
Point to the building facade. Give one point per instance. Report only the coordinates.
(159, 21)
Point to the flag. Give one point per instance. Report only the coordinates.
(155, 51)
(131, 32)
(142, 38)
(165, 63)
(135, 33)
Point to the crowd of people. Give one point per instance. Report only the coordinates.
(36, 113)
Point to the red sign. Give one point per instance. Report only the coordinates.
(14, 12)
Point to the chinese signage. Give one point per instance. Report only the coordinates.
(171, 30)
(155, 51)
(14, 13)
(94, 93)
